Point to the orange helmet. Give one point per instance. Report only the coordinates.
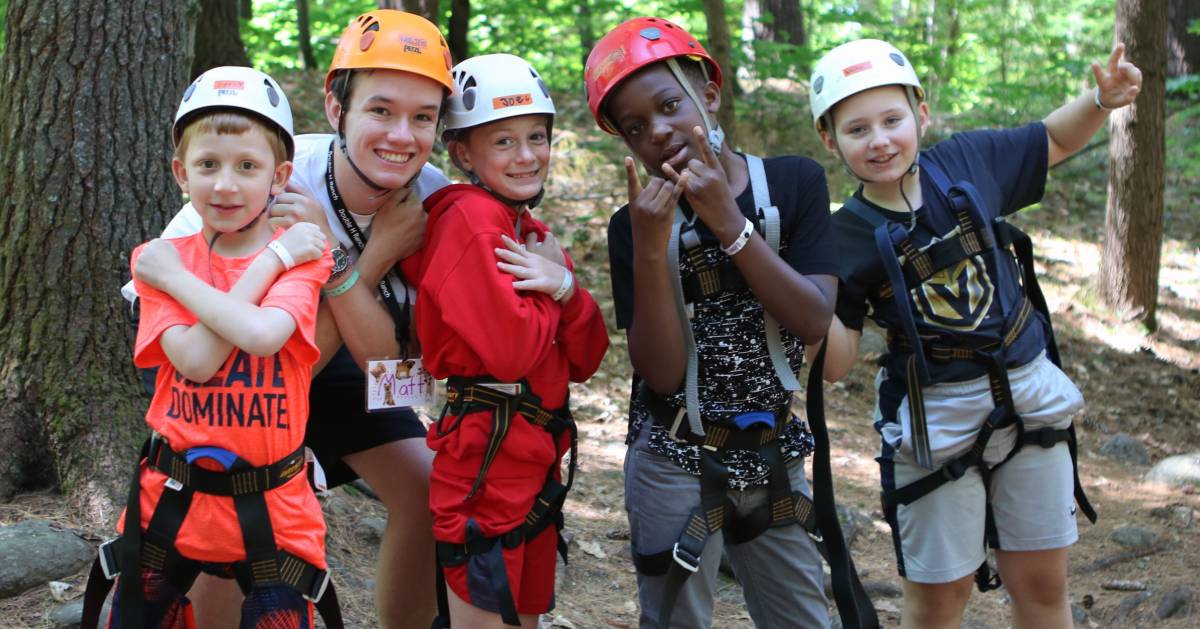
(393, 40)
(631, 46)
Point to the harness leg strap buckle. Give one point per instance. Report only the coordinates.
(320, 582)
(955, 468)
(685, 558)
(108, 559)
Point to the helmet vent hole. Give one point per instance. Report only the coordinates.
(898, 58)
(468, 97)
(650, 33)
(272, 95)
(545, 92)
(188, 94)
(373, 26)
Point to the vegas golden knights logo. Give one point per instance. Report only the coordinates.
(956, 297)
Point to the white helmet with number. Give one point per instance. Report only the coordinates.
(858, 66)
(494, 87)
(234, 87)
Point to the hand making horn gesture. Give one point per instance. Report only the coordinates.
(707, 188)
(1119, 83)
(652, 209)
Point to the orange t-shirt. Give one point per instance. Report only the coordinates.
(254, 407)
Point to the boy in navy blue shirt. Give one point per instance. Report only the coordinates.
(974, 413)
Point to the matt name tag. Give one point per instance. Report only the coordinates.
(397, 383)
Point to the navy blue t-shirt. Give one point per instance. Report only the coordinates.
(1008, 168)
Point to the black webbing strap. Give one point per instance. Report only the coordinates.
(489, 550)
(468, 394)
(711, 280)
(241, 481)
(706, 519)
(719, 436)
(854, 606)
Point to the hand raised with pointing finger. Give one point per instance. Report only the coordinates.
(652, 209)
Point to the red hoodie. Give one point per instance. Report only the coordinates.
(472, 322)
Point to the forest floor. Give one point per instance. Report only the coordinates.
(1144, 384)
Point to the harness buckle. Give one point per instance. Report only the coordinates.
(318, 587)
(673, 433)
(685, 559)
(108, 559)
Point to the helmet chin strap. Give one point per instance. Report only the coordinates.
(716, 137)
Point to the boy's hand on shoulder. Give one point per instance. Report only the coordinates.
(533, 271)
(1119, 82)
(652, 209)
(707, 189)
(297, 204)
(399, 225)
(548, 247)
(157, 263)
(305, 241)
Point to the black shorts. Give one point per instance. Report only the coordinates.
(338, 423)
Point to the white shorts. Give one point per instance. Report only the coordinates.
(940, 537)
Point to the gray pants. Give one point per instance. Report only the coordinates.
(780, 571)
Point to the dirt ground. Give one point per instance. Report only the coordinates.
(1145, 385)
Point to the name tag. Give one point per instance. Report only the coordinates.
(397, 383)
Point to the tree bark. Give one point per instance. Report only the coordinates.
(785, 24)
(1183, 48)
(460, 22)
(718, 47)
(1137, 151)
(83, 179)
(305, 35)
(586, 28)
(246, 10)
(218, 37)
(425, 8)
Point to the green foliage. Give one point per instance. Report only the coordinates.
(271, 35)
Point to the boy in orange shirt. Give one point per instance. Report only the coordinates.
(229, 317)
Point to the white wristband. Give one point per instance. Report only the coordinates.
(1096, 99)
(741, 240)
(568, 280)
(284, 256)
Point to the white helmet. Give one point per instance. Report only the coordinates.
(494, 87)
(234, 87)
(858, 66)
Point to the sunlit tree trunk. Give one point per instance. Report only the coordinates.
(84, 177)
(1133, 221)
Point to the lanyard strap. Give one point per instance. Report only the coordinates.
(398, 307)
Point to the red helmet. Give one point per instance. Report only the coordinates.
(631, 46)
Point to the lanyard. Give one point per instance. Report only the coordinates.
(398, 309)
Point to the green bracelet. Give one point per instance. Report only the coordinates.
(343, 287)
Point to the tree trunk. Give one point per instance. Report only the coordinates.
(460, 22)
(246, 10)
(1133, 222)
(587, 30)
(780, 21)
(1183, 48)
(218, 37)
(83, 179)
(305, 35)
(425, 8)
(718, 47)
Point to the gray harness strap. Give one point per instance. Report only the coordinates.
(762, 200)
(691, 386)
